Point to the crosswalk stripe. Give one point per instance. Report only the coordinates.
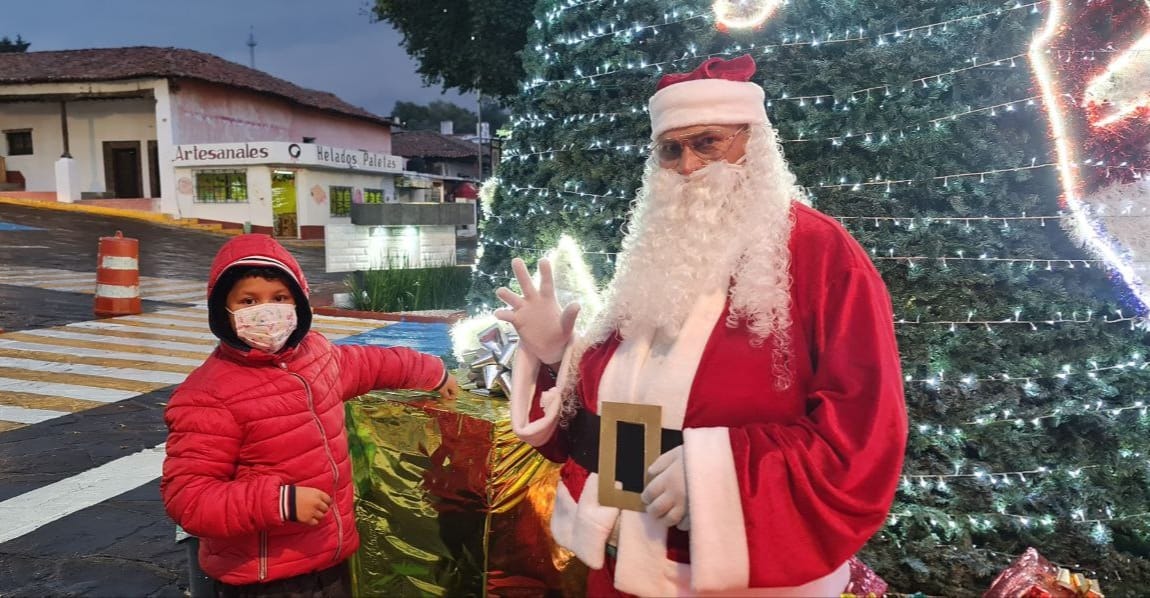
(97, 340)
(72, 391)
(169, 317)
(34, 509)
(91, 382)
(112, 326)
(121, 375)
(27, 416)
(52, 275)
(160, 324)
(174, 297)
(34, 401)
(108, 332)
(106, 358)
(171, 284)
(68, 340)
(70, 287)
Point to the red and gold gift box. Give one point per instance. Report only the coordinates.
(1032, 576)
(450, 502)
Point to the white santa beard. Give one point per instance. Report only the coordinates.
(683, 237)
(681, 242)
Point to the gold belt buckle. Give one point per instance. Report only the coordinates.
(650, 417)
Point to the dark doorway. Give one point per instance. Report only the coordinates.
(122, 172)
(154, 168)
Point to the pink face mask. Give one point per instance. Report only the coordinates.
(266, 326)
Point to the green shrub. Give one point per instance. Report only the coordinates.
(410, 289)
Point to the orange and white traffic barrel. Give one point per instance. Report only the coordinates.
(118, 276)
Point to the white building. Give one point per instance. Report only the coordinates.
(204, 138)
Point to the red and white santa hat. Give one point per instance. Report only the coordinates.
(719, 92)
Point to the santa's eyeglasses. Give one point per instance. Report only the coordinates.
(708, 146)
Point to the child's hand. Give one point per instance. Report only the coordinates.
(450, 391)
(311, 505)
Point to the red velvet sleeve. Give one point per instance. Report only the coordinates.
(365, 368)
(555, 449)
(197, 485)
(813, 492)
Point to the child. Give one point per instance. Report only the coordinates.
(257, 462)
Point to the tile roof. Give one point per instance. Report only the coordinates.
(112, 64)
(430, 144)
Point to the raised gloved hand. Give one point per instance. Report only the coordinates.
(666, 493)
(544, 329)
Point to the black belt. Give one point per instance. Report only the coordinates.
(628, 454)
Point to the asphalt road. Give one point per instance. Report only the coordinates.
(123, 545)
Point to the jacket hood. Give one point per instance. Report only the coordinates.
(247, 251)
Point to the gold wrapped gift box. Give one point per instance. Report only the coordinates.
(450, 502)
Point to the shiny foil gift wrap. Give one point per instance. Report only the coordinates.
(1032, 576)
(490, 365)
(451, 503)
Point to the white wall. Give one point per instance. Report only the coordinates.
(257, 210)
(90, 123)
(314, 213)
(349, 247)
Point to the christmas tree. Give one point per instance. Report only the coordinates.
(925, 127)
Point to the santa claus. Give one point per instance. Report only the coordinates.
(733, 421)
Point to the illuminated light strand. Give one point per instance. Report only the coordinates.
(536, 120)
(1033, 324)
(937, 379)
(1072, 471)
(886, 87)
(1083, 229)
(1032, 262)
(964, 221)
(1086, 408)
(601, 32)
(555, 13)
(944, 178)
(880, 39)
(884, 135)
(982, 521)
(545, 191)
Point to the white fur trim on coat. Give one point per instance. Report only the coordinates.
(706, 102)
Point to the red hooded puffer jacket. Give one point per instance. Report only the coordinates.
(247, 424)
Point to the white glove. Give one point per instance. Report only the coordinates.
(544, 329)
(666, 493)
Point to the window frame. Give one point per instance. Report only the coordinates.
(231, 176)
(341, 195)
(19, 149)
(373, 196)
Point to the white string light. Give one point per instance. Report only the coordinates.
(536, 120)
(883, 136)
(852, 34)
(939, 379)
(1016, 321)
(944, 178)
(886, 87)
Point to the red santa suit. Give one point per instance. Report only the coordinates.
(783, 486)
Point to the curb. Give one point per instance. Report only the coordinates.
(151, 217)
(390, 316)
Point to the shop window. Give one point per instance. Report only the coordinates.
(340, 198)
(373, 196)
(19, 142)
(222, 186)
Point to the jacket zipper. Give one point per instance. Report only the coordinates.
(262, 574)
(330, 460)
